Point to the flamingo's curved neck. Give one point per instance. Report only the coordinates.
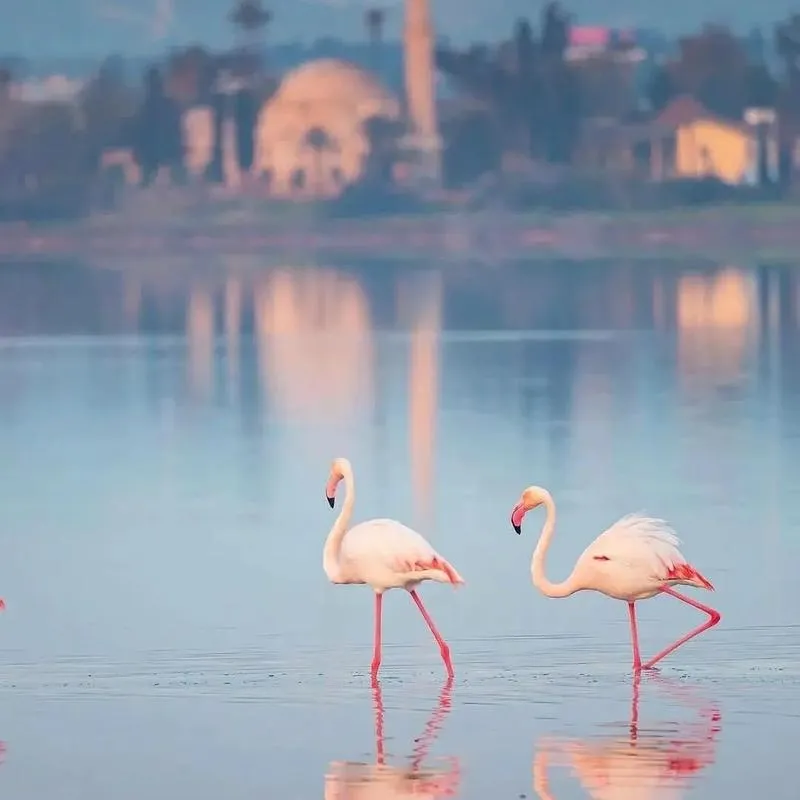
(540, 580)
(330, 553)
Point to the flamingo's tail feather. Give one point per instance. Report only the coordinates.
(687, 573)
(438, 564)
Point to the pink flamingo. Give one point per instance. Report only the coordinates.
(383, 554)
(635, 559)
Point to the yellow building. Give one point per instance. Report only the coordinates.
(688, 141)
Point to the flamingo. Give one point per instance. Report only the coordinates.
(383, 554)
(635, 559)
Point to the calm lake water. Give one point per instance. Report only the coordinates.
(167, 431)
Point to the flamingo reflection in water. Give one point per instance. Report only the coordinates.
(350, 780)
(654, 763)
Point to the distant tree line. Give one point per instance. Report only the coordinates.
(527, 98)
(50, 153)
(523, 98)
(228, 84)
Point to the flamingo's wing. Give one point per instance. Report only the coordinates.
(639, 542)
(394, 546)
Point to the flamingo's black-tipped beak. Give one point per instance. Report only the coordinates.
(516, 517)
(331, 500)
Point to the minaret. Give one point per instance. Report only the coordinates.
(420, 74)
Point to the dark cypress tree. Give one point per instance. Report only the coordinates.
(245, 112)
(158, 137)
(214, 171)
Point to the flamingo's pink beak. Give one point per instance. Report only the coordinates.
(516, 517)
(330, 490)
(2, 604)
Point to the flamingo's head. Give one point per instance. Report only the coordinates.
(339, 468)
(531, 498)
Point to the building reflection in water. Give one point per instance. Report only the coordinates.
(717, 321)
(132, 302)
(314, 340)
(232, 322)
(200, 337)
(659, 761)
(315, 350)
(380, 780)
(591, 416)
(421, 299)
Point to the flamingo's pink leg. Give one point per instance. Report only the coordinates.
(713, 618)
(637, 658)
(444, 649)
(377, 697)
(376, 656)
(637, 677)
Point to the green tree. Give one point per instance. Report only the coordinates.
(374, 21)
(44, 170)
(787, 43)
(157, 134)
(251, 19)
(714, 66)
(190, 75)
(107, 106)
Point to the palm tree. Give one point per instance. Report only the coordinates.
(320, 142)
(251, 18)
(374, 20)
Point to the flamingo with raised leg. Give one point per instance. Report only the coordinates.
(382, 554)
(635, 559)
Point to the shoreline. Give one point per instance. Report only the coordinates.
(723, 231)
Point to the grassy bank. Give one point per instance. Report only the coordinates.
(755, 232)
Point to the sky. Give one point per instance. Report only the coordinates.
(133, 27)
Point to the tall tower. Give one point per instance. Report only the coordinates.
(423, 140)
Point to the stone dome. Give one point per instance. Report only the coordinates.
(310, 137)
(329, 80)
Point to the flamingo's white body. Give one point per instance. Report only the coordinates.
(383, 554)
(635, 559)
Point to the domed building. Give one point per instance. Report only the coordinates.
(311, 137)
